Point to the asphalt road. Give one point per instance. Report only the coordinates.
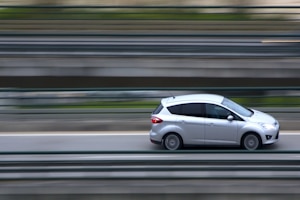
(134, 141)
(109, 141)
(149, 46)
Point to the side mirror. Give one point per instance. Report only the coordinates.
(230, 118)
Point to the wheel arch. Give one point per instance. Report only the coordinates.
(173, 132)
(172, 129)
(251, 132)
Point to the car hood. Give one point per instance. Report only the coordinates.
(261, 117)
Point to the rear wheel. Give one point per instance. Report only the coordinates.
(251, 141)
(172, 141)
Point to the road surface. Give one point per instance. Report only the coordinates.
(108, 141)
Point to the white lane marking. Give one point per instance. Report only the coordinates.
(112, 157)
(76, 133)
(280, 41)
(98, 133)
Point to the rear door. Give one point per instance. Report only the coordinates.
(190, 118)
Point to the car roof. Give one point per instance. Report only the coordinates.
(193, 98)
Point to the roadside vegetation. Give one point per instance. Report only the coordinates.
(57, 13)
(136, 103)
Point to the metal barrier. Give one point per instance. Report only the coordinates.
(136, 45)
(155, 165)
(136, 175)
(150, 21)
(29, 98)
(119, 109)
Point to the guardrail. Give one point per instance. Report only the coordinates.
(203, 176)
(68, 109)
(149, 48)
(29, 98)
(155, 165)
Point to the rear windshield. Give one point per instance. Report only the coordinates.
(158, 109)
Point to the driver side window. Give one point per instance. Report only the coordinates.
(216, 112)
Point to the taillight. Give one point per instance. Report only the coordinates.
(156, 120)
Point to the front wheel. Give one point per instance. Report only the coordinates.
(251, 142)
(172, 142)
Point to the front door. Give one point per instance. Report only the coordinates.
(218, 129)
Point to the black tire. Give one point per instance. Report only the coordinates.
(172, 141)
(251, 141)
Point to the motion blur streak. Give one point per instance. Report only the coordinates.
(81, 66)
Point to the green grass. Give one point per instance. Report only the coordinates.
(23, 13)
(269, 101)
(128, 14)
(101, 104)
(249, 102)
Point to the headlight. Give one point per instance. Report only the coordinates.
(267, 126)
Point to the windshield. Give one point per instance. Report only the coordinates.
(237, 108)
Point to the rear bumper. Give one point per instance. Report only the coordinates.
(155, 142)
(155, 138)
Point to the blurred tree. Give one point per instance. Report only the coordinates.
(47, 2)
(240, 3)
(47, 10)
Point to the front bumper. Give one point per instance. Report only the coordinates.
(271, 137)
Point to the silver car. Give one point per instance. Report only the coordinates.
(208, 119)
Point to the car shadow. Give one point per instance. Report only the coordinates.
(216, 148)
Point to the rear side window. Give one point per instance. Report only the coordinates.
(176, 110)
(190, 109)
(158, 109)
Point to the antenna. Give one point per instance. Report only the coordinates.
(172, 94)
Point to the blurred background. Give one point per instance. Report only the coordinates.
(72, 65)
(153, 2)
(93, 64)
